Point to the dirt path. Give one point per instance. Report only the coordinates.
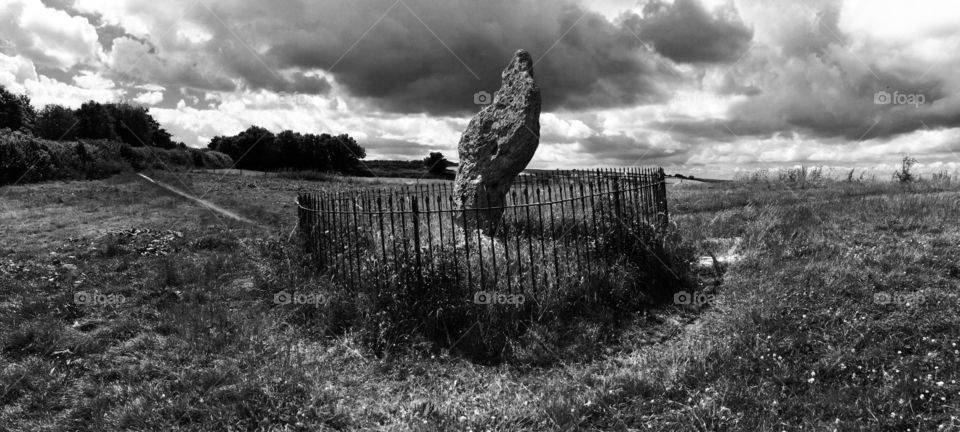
(202, 202)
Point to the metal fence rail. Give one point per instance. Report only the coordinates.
(557, 228)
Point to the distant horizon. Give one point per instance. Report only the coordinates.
(827, 171)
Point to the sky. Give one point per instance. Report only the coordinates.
(703, 87)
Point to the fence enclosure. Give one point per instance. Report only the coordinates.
(557, 228)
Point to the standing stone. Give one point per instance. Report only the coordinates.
(498, 144)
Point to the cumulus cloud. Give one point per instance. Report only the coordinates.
(46, 90)
(819, 77)
(686, 31)
(15, 71)
(149, 98)
(48, 37)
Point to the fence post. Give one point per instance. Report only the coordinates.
(616, 208)
(319, 231)
(662, 192)
(453, 239)
(466, 243)
(616, 198)
(416, 240)
(302, 219)
(383, 244)
(355, 209)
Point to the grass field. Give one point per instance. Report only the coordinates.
(840, 314)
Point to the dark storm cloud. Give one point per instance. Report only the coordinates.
(628, 150)
(429, 56)
(404, 64)
(306, 84)
(686, 32)
(853, 115)
(136, 64)
(807, 80)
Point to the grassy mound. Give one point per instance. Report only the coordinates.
(573, 318)
(27, 159)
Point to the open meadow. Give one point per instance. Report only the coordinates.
(831, 305)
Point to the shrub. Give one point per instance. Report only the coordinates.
(903, 174)
(18, 155)
(27, 159)
(436, 163)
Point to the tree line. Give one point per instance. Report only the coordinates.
(123, 122)
(259, 149)
(255, 148)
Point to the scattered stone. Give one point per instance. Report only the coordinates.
(147, 241)
(499, 143)
(732, 254)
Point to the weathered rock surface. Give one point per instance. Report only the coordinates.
(498, 144)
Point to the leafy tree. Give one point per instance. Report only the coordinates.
(15, 111)
(436, 163)
(248, 148)
(313, 151)
(56, 122)
(257, 148)
(163, 139)
(132, 124)
(96, 121)
(287, 152)
(345, 153)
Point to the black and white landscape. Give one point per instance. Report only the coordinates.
(656, 215)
